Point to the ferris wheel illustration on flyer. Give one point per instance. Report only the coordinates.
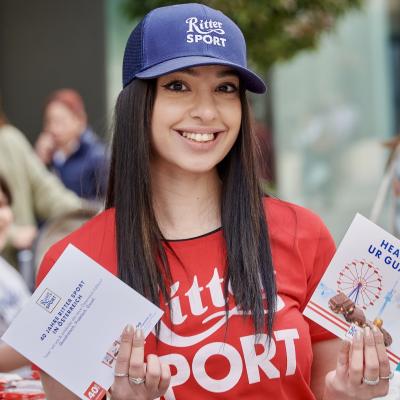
(361, 281)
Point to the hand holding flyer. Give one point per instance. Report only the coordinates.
(70, 328)
(361, 286)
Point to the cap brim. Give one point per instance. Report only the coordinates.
(252, 81)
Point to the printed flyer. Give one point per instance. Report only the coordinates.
(71, 326)
(361, 286)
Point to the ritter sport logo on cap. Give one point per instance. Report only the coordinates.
(177, 37)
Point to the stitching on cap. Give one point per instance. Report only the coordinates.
(204, 9)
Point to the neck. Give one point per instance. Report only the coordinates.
(186, 205)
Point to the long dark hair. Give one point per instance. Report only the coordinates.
(142, 261)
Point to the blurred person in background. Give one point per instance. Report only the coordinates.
(70, 148)
(38, 195)
(13, 291)
(392, 175)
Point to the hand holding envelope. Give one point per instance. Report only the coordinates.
(135, 379)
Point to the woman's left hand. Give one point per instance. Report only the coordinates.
(362, 370)
(135, 380)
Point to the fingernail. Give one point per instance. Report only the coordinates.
(367, 331)
(375, 328)
(346, 343)
(359, 334)
(128, 329)
(139, 334)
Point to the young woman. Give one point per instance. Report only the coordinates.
(186, 225)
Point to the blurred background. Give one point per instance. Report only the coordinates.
(332, 68)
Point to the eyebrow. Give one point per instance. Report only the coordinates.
(220, 74)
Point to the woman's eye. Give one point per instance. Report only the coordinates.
(228, 88)
(176, 86)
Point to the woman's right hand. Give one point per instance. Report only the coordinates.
(135, 379)
(363, 369)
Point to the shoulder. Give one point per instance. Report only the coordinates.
(94, 149)
(293, 220)
(12, 135)
(13, 279)
(299, 238)
(89, 234)
(92, 142)
(96, 238)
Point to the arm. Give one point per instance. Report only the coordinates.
(54, 390)
(10, 359)
(49, 196)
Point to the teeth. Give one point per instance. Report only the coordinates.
(199, 137)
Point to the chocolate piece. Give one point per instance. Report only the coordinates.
(341, 304)
(356, 317)
(387, 338)
(378, 322)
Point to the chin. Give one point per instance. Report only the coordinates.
(200, 168)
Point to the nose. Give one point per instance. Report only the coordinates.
(204, 106)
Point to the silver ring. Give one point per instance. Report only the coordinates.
(120, 375)
(137, 381)
(370, 382)
(387, 378)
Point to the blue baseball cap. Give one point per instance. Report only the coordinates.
(176, 37)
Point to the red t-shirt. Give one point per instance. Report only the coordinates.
(210, 359)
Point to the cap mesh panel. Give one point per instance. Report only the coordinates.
(133, 58)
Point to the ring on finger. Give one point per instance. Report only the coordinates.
(370, 382)
(120, 375)
(387, 378)
(137, 381)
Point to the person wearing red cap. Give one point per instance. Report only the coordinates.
(70, 148)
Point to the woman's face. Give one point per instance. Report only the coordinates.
(196, 118)
(62, 124)
(5, 218)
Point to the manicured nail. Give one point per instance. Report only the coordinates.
(128, 329)
(375, 329)
(367, 331)
(139, 334)
(359, 334)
